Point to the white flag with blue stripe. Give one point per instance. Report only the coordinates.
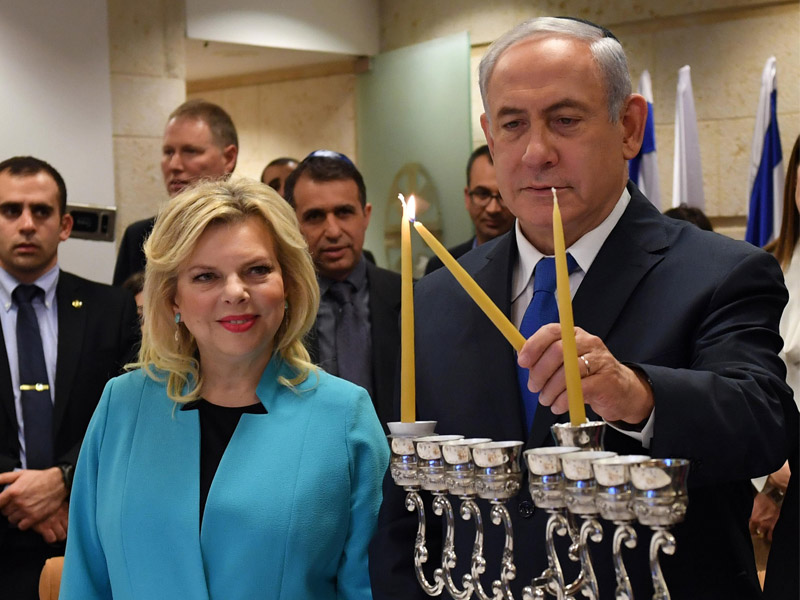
(765, 179)
(643, 168)
(687, 172)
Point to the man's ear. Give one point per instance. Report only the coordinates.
(633, 120)
(66, 227)
(230, 153)
(487, 133)
(367, 212)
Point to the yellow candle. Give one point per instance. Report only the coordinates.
(483, 301)
(577, 411)
(407, 374)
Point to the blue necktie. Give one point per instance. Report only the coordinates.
(543, 309)
(37, 406)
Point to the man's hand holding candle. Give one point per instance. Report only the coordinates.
(614, 391)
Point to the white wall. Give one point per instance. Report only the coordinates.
(343, 26)
(55, 104)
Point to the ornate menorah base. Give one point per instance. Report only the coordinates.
(574, 484)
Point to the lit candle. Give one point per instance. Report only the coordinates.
(483, 301)
(577, 411)
(407, 374)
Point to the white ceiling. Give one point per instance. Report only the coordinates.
(209, 60)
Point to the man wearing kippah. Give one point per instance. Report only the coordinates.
(676, 329)
(357, 333)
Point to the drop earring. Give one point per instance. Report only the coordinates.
(177, 327)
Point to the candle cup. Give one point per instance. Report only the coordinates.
(614, 488)
(430, 463)
(581, 486)
(403, 461)
(586, 436)
(546, 479)
(659, 496)
(459, 466)
(497, 471)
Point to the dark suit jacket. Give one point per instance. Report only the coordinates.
(130, 258)
(384, 314)
(97, 332)
(698, 313)
(457, 252)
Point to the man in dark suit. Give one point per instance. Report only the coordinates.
(357, 332)
(200, 142)
(484, 204)
(84, 332)
(677, 328)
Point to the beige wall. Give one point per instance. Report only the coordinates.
(147, 83)
(726, 42)
(289, 118)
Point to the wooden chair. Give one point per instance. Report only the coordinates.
(50, 579)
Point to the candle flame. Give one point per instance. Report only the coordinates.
(409, 208)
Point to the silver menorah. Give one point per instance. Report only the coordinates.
(575, 482)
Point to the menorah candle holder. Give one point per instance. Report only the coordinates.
(460, 479)
(586, 436)
(569, 482)
(546, 483)
(659, 502)
(403, 459)
(497, 478)
(581, 494)
(614, 500)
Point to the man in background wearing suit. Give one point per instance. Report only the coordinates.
(200, 142)
(483, 203)
(357, 333)
(70, 335)
(676, 328)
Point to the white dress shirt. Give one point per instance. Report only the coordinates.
(584, 251)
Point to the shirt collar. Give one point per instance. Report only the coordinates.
(357, 277)
(47, 282)
(584, 250)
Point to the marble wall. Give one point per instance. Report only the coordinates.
(148, 81)
(726, 42)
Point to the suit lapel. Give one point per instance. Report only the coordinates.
(495, 279)
(6, 393)
(72, 313)
(633, 247)
(384, 311)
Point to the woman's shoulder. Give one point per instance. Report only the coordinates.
(130, 387)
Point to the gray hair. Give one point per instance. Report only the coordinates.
(606, 50)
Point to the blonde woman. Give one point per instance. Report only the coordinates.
(226, 466)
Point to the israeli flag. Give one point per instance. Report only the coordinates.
(643, 169)
(765, 180)
(687, 172)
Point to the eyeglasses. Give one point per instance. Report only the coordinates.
(482, 196)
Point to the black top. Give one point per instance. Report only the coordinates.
(217, 424)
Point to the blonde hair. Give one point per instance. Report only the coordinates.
(179, 225)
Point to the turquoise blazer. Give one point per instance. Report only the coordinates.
(289, 515)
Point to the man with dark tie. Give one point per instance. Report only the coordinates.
(676, 328)
(357, 332)
(63, 337)
(483, 202)
(200, 142)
